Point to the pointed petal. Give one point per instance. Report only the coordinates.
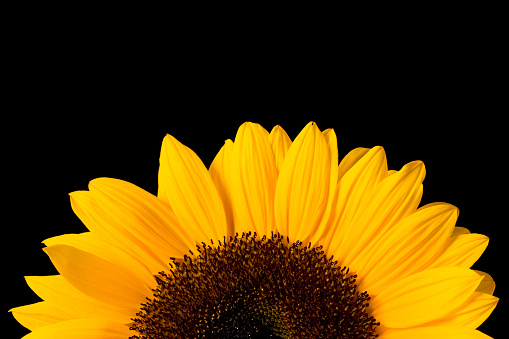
(459, 230)
(90, 243)
(220, 172)
(332, 142)
(330, 210)
(462, 250)
(133, 219)
(82, 329)
(359, 173)
(487, 284)
(58, 292)
(186, 185)
(97, 277)
(424, 296)
(253, 177)
(396, 197)
(350, 160)
(439, 332)
(410, 248)
(303, 185)
(38, 315)
(280, 143)
(475, 311)
(141, 213)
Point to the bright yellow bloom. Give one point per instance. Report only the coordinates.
(412, 261)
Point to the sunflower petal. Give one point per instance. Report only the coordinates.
(90, 243)
(438, 332)
(187, 186)
(82, 329)
(410, 248)
(475, 311)
(141, 212)
(303, 185)
(351, 159)
(253, 177)
(425, 296)
(459, 230)
(359, 173)
(280, 143)
(487, 284)
(462, 250)
(396, 197)
(57, 291)
(97, 277)
(330, 211)
(332, 141)
(220, 172)
(133, 219)
(38, 315)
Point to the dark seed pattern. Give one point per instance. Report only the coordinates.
(251, 287)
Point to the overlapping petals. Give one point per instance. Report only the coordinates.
(414, 261)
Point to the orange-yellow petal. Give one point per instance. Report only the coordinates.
(57, 291)
(350, 160)
(462, 250)
(474, 311)
(409, 248)
(220, 173)
(424, 297)
(38, 315)
(280, 143)
(330, 209)
(302, 189)
(253, 177)
(97, 277)
(88, 242)
(487, 284)
(396, 197)
(88, 328)
(438, 332)
(358, 174)
(187, 186)
(134, 220)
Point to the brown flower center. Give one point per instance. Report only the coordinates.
(250, 287)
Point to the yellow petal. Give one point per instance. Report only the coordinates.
(82, 329)
(396, 197)
(350, 159)
(329, 214)
(280, 143)
(359, 173)
(220, 173)
(133, 219)
(253, 176)
(136, 213)
(90, 243)
(97, 277)
(424, 296)
(303, 185)
(475, 311)
(39, 315)
(187, 186)
(410, 248)
(439, 332)
(487, 284)
(58, 292)
(462, 250)
(459, 230)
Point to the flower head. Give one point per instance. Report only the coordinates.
(276, 239)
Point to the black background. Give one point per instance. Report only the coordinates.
(86, 105)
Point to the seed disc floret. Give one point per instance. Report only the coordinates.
(251, 287)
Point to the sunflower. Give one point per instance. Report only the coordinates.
(278, 239)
